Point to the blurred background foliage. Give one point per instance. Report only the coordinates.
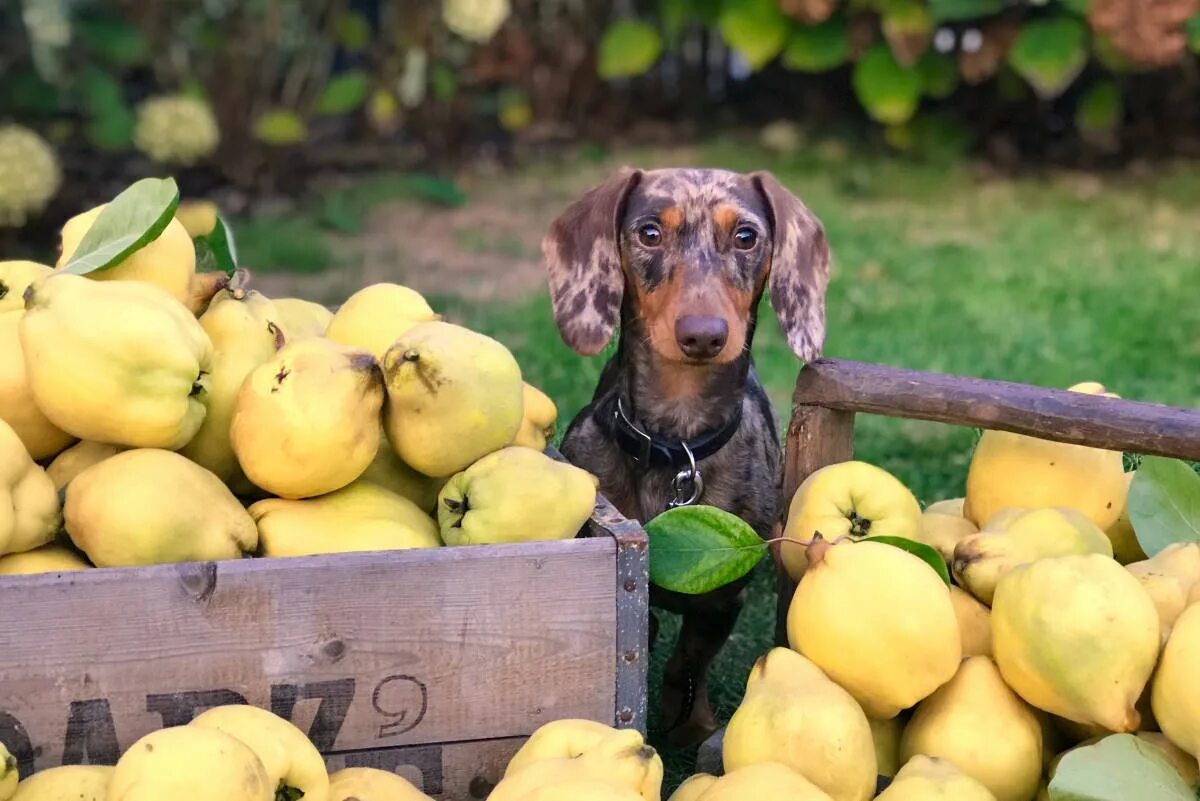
(259, 98)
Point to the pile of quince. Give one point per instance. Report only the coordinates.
(1053, 632)
(227, 753)
(183, 416)
(243, 753)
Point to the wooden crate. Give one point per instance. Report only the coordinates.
(434, 664)
(829, 393)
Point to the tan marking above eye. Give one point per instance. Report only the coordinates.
(672, 218)
(725, 217)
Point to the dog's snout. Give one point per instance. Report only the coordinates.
(701, 336)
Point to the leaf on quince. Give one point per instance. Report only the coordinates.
(908, 28)
(628, 48)
(344, 93)
(133, 219)
(1164, 504)
(1192, 28)
(888, 91)
(1100, 109)
(939, 75)
(280, 127)
(216, 249)
(925, 553)
(957, 10)
(1050, 54)
(696, 549)
(818, 48)
(1120, 767)
(755, 29)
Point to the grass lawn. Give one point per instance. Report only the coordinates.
(1049, 280)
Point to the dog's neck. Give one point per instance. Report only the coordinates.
(672, 399)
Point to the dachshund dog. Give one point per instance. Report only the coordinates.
(680, 259)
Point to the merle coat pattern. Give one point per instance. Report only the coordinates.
(679, 259)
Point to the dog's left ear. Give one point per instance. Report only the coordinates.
(799, 268)
(582, 255)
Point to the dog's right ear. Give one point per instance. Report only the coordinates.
(583, 262)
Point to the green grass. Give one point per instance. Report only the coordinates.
(1048, 281)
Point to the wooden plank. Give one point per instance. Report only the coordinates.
(1047, 413)
(360, 650)
(466, 771)
(816, 437)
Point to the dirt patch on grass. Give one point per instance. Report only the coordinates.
(487, 250)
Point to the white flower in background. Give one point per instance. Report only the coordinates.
(29, 174)
(475, 20)
(175, 129)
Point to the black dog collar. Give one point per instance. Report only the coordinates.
(651, 450)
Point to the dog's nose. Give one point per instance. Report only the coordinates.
(701, 336)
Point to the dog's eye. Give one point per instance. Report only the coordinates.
(650, 235)
(745, 238)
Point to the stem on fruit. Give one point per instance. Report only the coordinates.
(275, 330)
(238, 283)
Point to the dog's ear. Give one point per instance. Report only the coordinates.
(799, 268)
(583, 262)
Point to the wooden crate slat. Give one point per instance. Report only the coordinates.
(361, 650)
(1055, 414)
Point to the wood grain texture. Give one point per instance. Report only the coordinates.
(466, 771)
(360, 650)
(1053, 414)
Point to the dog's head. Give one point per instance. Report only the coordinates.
(692, 250)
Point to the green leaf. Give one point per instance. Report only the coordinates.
(756, 29)
(216, 250)
(113, 130)
(1120, 767)
(353, 32)
(443, 82)
(1193, 33)
(1050, 54)
(818, 48)
(960, 10)
(1164, 504)
(1079, 7)
(1100, 110)
(628, 48)
(111, 121)
(280, 127)
(673, 15)
(22, 90)
(112, 39)
(889, 92)
(696, 549)
(131, 220)
(908, 28)
(939, 75)
(343, 94)
(433, 189)
(925, 553)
